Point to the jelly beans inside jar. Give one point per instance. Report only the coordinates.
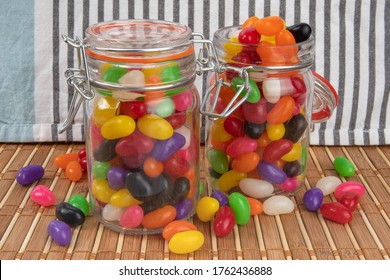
(142, 124)
(260, 104)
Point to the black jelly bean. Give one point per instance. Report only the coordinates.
(295, 128)
(69, 214)
(181, 187)
(300, 31)
(254, 130)
(105, 151)
(214, 173)
(292, 169)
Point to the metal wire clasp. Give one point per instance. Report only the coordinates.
(78, 78)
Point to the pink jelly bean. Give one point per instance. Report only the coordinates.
(240, 146)
(42, 195)
(290, 184)
(182, 101)
(132, 217)
(349, 186)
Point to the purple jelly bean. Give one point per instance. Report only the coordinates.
(29, 174)
(60, 232)
(163, 149)
(221, 197)
(312, 199)
(183, 208)
(271, 173)
(116, 177)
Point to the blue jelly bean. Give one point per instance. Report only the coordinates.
(60, 232)
(29, 174)
(271, 173)
(163, 149)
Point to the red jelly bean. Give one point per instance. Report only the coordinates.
(134, 144)
(42, 195)
(255, 112)
(82, 153)
(336, 212)
(176, 166)
(177, 119)
(234, 126)
(224, 221)
(350, 200)
(240, 146)
(249, 35)
(84, 163)
(135, 109)
(282, 111)
(276, 149)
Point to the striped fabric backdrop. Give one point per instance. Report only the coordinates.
(352, 52)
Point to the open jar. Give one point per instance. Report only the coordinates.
(141, 109)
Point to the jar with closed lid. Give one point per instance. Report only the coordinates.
(141, 109)
(261, 101)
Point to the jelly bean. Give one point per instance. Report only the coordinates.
(74, 171)
(293, 168)
(264, 140)
(312, 199)
(102, 191)
(255, 205)
(134, 144)
(240, 207)
(221, 197)
(232, 47)
(176, 166)
(164, 108)
(84, 164)
(134, 109)
(271, 173)
(336, 212)
(184, 208)
(254, 95)
(187, 135)
(175, 227)
(294, 154)
(159, 218)
(300, 31)
(186, 242)
(117, 127)
(276, 131)
(349, 186)
(116, 177)
(122, 198)
(181, 187)
(256, 188)
(234, 126)
(251, 21)
(284, 37)
(170, 73)
(163, 149)
(295, 128)
(182, 101)
(282, 111)
(249, 35)
(218, 160)
(328, 184)
(79, 201)
(277, 149)
(82, 153)
(255, 112)
(112, 213)
(113, 74)
(60, 232)
(177, 120)
(155, 127)
(218, 131)
(29, 174)
(105, 151)
(69, 214)
(206, 208)
(290, 184)
(254, 130)
(100, 169)
(153, 167)
(278, 205)
(42, 195)
(224, 221)
(134, 162)
(343, 167)
(133, 78)
(350, 200)
(132, 217)
(230, 179)
(241, 145)
(245, 162)
(61, 161)
(272, 90)
(201, 188)
(270, 25)
(104, 109)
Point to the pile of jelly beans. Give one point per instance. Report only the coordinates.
(144, 149)
(73, 163)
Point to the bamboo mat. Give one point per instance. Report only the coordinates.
(298, 235)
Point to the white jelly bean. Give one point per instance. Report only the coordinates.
(277, 205)
(187, 135)
(135, 78)
(112, 213)
(272, 90)
(256, 188)
(328, 184)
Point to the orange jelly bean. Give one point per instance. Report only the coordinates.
(218, 131)
(159, 218)
(270, 26)
(282, 111)
(61, 161)
(177, 226)
(256, 207)
(284, 37)
(249, 22)
(153, 167)
(73, 171)
(245, 162)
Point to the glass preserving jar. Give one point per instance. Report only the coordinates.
(260, 104)
(141, 116)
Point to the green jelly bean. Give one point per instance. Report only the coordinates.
(254, 95)
(343, 167)
(113, 74)
(165, 108)
(171, 74)
(218, 160)
(240, 207)
(100, 169)
(80, 202)
(201, 188)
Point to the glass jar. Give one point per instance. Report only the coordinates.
(142, 122)
(261, 102)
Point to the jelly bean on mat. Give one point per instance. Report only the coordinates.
(29, 174)
(175, 227)
(337, 212)
(42, 195)
(240, 207)
(60, 232)
(278, 205)
(186, 242)
(206, 208)
(344, 167)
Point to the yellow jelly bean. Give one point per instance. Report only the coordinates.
(123, 198)
(294, 154)
(275, 131)
(118, 127)
(155, 70)
(233, 47)
(206, 209)
(269, 39)
(155, 127)
(102, 191)
(230, 179)
(104, 109)
(186, 242)
(218, 132)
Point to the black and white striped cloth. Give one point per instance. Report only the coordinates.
(352, 52)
